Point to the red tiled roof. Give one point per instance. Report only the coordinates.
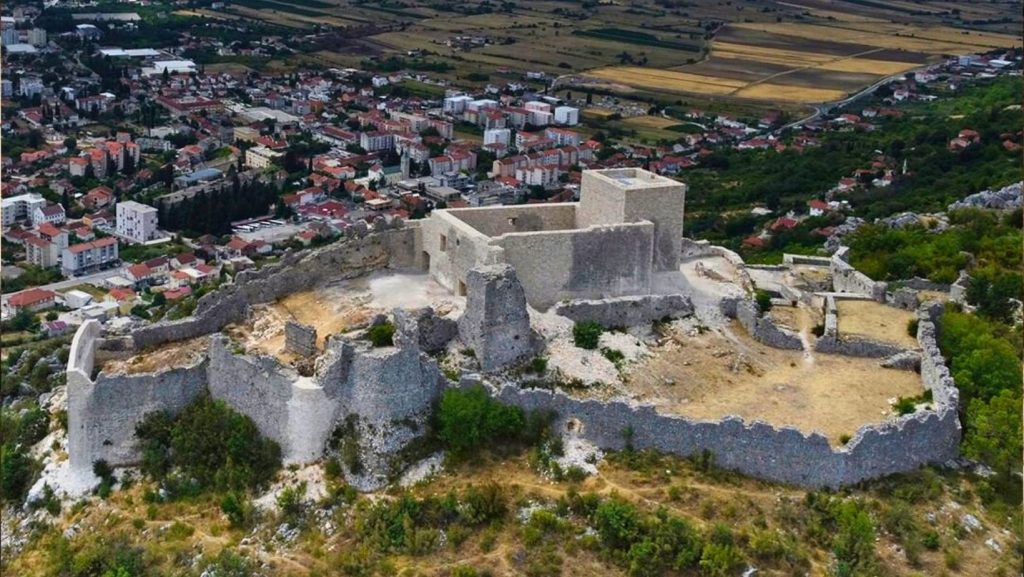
(30, 297)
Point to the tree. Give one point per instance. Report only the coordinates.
(469, 419)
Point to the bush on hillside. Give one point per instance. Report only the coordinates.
(209, 442)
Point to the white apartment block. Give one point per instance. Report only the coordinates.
(260, 157)
(89, 256)
(497, 136)
(136, 222)
(567, 115)
(375, 141)
(20, 207)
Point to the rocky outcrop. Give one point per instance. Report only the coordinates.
(496, 324)
(626, 311)
(1006, 198)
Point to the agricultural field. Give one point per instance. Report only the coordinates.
(788, 53)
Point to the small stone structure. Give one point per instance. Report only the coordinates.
(846, 279)
(761, 327)
(626, 311)
(831, 342)
(496, 324)
(299, 338)
(905, 298)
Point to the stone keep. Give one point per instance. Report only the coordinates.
(628, 195)
(496, 324)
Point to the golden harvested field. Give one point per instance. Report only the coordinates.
(789, 93)
(669, 80)
(866, 66)
(932, 40)
(651, 121)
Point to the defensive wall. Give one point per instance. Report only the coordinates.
(781, 454)
(390, 391)
(626, 311)
(626, 227)
(846, 279)
(761, 327)
(553, 265)
(363, 251)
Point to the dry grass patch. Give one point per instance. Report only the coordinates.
(932, 40)
(876, 321)
(720, 373)
(866, 66)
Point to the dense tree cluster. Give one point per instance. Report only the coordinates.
(986, 365)
(213, 212)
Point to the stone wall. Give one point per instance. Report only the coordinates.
(762, 328)
(626, 311)
(495, 221)
(496, 323)
(299, 338)
(595, 262)
(760, 450)
(347, 258)
(831, 342)
(103, 413)
(846, 279)
(792, 259)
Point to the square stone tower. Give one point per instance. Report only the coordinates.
(621, 195)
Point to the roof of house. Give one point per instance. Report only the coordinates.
(98, 243)
(30, 297)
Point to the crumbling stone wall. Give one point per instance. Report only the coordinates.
(626, 311)
(347, 258)
(762, 328)
(905, 298)
(423, 329)
(496, 324)
(299, 338)
(831, 342)
(846, 279)
(103, 413)
(781, 454)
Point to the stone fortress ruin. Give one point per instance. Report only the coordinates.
(799, 394)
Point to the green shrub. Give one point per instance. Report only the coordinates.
(586, 334)
(538, 365)
(469, 419)
(912, 327)
(904, 406)
(382, 335)
(239, 511)
(209, 443)
(290, 502)
(764, 300)
(614, 355)
(720, 560)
